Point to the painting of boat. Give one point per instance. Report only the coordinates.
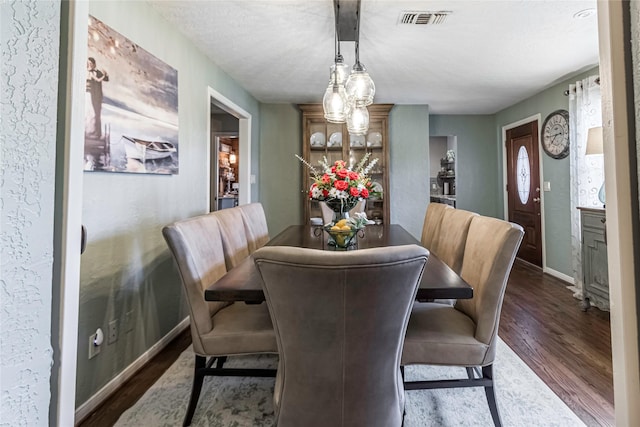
(144, 150)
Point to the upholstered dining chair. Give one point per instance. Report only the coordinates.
(234, 237)
(255, 225)
(449, 241)
(452, 237)
(432, 225)
(466, 334)
(340, 319)
(218, 329)
(327, 212)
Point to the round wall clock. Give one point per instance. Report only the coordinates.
(555, 134)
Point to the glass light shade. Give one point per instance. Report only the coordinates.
(358, 120)
(360, 87)
(343, 72)
(335, 103)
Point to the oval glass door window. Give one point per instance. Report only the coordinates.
(523, 177)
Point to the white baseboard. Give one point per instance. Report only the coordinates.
(558, 275)
(101, 395)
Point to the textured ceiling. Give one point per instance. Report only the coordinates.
(486, 56)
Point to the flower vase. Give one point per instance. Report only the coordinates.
(340, 209)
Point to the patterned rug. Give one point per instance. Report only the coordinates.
(523, 399)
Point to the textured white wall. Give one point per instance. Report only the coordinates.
(30, 41)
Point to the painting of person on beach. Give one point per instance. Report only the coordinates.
(131, 106)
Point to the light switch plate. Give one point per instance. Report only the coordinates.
(546, 186)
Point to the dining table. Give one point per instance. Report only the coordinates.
(243, 282)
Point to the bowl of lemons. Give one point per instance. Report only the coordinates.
(342, 234)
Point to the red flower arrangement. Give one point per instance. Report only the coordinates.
(339, 186)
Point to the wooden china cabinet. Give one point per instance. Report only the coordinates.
(321, 138)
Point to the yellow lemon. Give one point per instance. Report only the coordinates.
(335, 228)
(341, 223)
(345, 227)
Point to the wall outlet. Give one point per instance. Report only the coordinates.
(546, 186)
(128, 321)
(95, 340)
(112, 335)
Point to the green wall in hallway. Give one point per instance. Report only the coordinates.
(478, 170)
(281, 173)
(557, 210)
(409, 177)
(127, 265)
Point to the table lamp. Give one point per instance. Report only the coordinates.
(594, 146)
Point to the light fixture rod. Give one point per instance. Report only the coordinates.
(349, 14)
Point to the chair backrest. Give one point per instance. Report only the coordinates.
(234, 237)
(451, 239)
(432, 224)
(340, 319)
(327, 212)
(255, 225)
(197, 249)
(492, 245)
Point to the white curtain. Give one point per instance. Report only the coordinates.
(587, 172)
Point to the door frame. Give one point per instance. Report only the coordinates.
(244, 144)
(68, 222)
(536, 117)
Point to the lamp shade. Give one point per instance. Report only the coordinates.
(594, 141)
(360, 87)
(358, 120)
(335, 103)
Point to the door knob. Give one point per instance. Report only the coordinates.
(536, 199)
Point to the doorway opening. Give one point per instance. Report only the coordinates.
(229, 153)
(442, 169)
(224, 186)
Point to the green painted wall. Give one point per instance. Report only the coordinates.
(557, 210)
(281, 173)
(409, 169)
(127, 266)
(478, 169)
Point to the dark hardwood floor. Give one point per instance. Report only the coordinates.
(566, 347)
(541, 321)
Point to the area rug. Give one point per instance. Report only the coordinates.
(523, 399)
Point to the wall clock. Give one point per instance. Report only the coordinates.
(555, 134)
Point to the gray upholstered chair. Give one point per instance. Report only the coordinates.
(340, 319)
(218, 329)
(451, 239)
(255, 225)
(234, 237)
(465, 334)
(432, 225)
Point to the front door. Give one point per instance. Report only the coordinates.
(523, 188)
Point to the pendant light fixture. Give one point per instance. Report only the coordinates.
(346, 98)
(335, 101)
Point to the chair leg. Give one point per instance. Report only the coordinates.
(221, 361)
(198, 378)
(470, 372)
(487, 372)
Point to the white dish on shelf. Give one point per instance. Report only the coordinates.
(356, 140)
(317, 139)
(335, 140)
(374, 139)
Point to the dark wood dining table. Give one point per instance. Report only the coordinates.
(243, 282)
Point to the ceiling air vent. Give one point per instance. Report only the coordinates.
(423, 18)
